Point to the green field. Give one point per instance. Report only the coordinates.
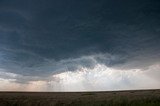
(109, 98)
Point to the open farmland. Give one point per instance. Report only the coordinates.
(108, 98)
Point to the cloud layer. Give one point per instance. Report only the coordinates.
(99, 78)
(41, 39)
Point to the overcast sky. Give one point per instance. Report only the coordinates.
(79, 45)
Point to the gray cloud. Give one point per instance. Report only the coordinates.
(39, 38)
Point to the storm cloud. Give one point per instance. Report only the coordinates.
(40, 39)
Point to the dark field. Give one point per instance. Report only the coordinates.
(110, 98)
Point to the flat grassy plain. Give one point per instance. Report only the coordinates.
(106, 98)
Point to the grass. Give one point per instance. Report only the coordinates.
(119, 98)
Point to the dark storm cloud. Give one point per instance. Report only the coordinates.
(37, 36)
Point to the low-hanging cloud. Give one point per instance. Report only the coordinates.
(99, 78)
